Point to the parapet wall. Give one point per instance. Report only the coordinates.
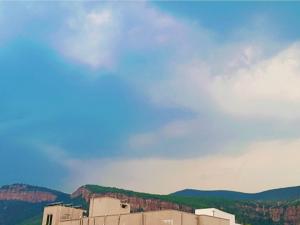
(210, 220)
(164, 217)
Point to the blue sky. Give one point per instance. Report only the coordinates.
(151, 96)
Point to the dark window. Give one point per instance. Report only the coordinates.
(50, 222)
(49, 219)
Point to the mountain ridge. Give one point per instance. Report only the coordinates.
(30, 193)
(284, 193)
(253, 212)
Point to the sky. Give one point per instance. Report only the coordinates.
(150, 96)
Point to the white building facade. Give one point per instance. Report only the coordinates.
(217, 213)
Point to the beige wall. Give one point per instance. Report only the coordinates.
(164, 217)
(212, 220)
(85, 221)
(112, 220)
(51, 210)
(99, 220)
(189, 219)
(108, 211)
(131, 219)
(70, 222)
(61, 213)
(106, 206)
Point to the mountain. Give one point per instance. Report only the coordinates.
(254, 212)
(288, 193)
(19, 202)
(31, 194)
(22, 204)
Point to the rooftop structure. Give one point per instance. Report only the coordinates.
(111, 211)
(105, 206)
(56, 213)
(217, 213)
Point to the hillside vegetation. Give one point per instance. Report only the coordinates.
(289, 193)
(269, 210)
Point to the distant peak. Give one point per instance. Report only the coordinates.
(16, 186)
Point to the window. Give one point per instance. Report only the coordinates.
(49, 219)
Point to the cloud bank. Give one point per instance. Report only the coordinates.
(123, 90)
(250, 171)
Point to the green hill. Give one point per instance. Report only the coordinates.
(289, 193)
(254, 212)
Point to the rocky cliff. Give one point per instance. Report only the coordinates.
(248, 212)
(22, 192)
(19, 202)
(137, 204)
(279, 213)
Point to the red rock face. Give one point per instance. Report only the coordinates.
(276, 214)
(137, 204)
(289, 215)
(83, 193)
(140, 204)
(19, 192)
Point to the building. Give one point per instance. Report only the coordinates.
(217, 213)
(105, 206)
(111, 211)
(56, 213)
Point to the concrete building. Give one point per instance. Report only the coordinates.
(110, 211)
(107, 206)
(54, 214)
(216, 213)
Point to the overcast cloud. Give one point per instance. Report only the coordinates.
(127, 89)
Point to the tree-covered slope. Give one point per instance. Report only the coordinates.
(255, 212)
(21, 202)
(289, 193)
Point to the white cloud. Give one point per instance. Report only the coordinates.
(188, 82)
(262, 165)
(101, 37)
(243, 80)
(269, 88)
(242, 77)
(91, 38)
